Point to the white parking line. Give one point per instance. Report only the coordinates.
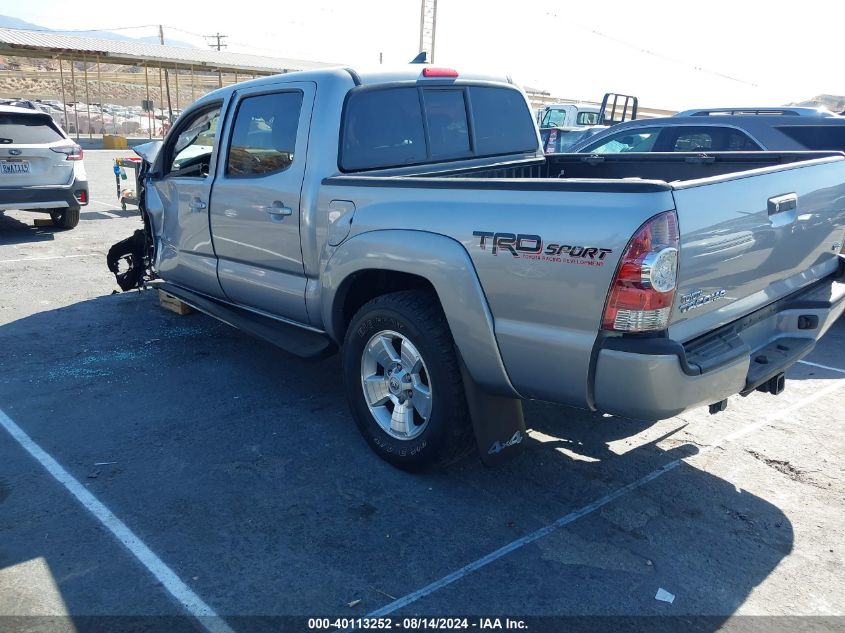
(191, 602)
(820, 366)
(40, 259)
(588, 509)
(110, 205)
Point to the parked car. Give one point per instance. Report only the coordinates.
(411, 219)
(718, 130)
(41, 168)
(563, 125)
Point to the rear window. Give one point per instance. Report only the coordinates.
(503, 123)
(587, 118)
(830, 137)
(27, 129)
(385, 127)
(448, 131)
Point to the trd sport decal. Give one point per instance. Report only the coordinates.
(532, 247)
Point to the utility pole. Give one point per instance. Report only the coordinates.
(219, 45)
(428, 27)
(166, 79)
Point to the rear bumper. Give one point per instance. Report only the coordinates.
(42, 198)
(652, 378)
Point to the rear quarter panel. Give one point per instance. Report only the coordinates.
(546, 309)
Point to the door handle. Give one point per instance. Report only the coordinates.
(781, 204)
(783, 210)
(196, 205)
(277, 211)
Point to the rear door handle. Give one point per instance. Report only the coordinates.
(196, 205)
(277, 211)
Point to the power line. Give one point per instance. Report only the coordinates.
(176, 28)
(662, 56)
(219, 37)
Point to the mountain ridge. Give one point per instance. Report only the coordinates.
(11, 22)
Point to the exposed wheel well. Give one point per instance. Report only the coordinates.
(369, 284)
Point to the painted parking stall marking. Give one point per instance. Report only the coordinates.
(183, 594)
(565, 520)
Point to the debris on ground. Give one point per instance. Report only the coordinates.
(664, 596)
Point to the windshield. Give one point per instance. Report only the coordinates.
(554, 117)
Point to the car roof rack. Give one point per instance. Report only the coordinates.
(756, 111)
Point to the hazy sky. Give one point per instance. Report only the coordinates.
(716, 53)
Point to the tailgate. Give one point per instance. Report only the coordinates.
(749, 239)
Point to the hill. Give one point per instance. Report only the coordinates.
(10, 22)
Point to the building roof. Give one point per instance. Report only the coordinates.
(68, 47)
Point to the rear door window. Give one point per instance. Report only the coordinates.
(264, 134)
(27, 129)
(817, 137)
(637, 140)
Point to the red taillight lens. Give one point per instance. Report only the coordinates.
(439, 72)
(642, 292)
(82, 196)
(71, 152)
(551, 143)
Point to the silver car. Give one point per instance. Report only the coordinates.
(41, 168)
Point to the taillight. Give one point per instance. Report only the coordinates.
(551, 143)
(642, 292)
(439, 72)
(71, 152)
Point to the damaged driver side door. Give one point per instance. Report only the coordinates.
(186, 166)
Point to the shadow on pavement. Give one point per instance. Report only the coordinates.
(241, 467)
(13, 231)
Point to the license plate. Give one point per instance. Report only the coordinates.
(14, 167)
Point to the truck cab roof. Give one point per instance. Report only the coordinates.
(366, 77)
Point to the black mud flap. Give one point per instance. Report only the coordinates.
(497, 422)
(131, 252)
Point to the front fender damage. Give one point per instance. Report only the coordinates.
(131, 260)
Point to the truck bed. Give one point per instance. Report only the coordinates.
(671, 168)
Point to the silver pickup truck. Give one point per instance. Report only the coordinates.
(411, 220)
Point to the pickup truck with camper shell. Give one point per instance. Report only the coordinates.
(410, 220)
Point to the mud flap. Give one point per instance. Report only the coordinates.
(497, 422)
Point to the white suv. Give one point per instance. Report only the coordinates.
(40, 167)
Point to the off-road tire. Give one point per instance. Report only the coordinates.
(416, 315)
